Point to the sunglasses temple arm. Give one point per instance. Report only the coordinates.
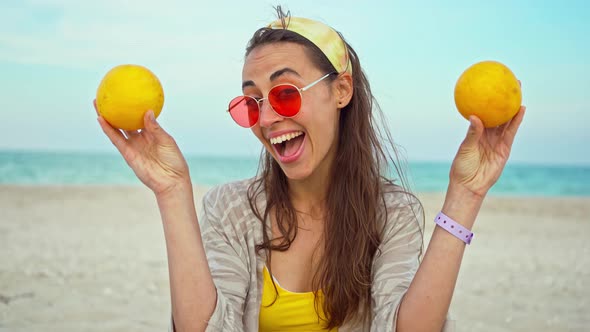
(315, 82)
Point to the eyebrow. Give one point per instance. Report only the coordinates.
(273, 76)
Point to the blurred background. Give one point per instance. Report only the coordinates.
(76, 246)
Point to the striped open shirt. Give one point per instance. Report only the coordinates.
(230, 232)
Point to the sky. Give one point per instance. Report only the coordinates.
(53, 54)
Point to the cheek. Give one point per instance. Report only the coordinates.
(329, 127)
(320, 115)
(322, 127)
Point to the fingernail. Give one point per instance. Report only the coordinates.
(151, 115)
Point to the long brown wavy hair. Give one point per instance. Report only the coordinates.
(355, 195)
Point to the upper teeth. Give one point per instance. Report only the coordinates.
(286, 137)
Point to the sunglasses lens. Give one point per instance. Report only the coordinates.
(285, 100)
(244, 111)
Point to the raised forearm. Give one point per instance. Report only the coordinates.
(192, 290)
(426, 303)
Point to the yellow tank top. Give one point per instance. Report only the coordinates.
(291, 311)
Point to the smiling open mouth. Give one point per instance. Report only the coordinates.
(287, 145)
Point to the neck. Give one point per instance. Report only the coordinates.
(309, 195)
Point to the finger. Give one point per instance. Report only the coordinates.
(513, 126)
(474, 132)
(519, 83)
(505, 126)
(115, 136)
(152, 126)
(95, 107)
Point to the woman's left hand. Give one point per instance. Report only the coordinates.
(483, 154)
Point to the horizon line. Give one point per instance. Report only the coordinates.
(257, 156)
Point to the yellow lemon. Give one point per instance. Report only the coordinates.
(126, 93)
(490, 91)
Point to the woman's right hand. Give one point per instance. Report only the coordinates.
(152, 153)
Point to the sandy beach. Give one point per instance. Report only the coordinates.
(92, 258)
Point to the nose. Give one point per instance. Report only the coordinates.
(267, 115)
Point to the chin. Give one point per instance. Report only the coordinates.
(296, 172)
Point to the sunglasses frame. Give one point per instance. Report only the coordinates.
(260, 100)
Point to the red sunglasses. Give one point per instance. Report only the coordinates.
(284, 99)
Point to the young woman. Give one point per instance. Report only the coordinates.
(320, 239)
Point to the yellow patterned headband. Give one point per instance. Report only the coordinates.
(322, 36)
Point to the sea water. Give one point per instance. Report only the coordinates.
(61, 168)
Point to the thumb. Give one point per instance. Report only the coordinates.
(474, 132)
(151, 124)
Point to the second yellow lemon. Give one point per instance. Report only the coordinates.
(490, 91)
(126, 93)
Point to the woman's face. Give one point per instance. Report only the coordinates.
(317, 120)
